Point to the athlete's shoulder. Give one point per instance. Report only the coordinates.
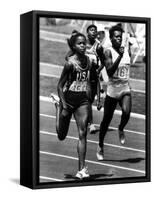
(90, 60)
(71, 60)
(109, 48)
(108, 51)
(68, 65)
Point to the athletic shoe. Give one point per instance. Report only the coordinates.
(100, 153)
(92, 129)
(121, 137)
(83, 173)
(54, 98)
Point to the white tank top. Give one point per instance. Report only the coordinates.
(91, 52)
(121, 75)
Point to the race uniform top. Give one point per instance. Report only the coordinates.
(121, 75)
(80, 76)
(91, 52)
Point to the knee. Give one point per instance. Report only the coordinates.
(126, 112)
(61, 137)
(61, 134)
(82, 134)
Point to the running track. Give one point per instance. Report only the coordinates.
(58, 160)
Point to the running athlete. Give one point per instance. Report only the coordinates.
(117, 63)
(94, 51)
(74, 90)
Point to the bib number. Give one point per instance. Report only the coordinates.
(123, 72)
(78, 86)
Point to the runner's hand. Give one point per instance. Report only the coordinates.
(121, 51)
(65, 112)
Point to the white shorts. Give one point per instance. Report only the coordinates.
(118, 92)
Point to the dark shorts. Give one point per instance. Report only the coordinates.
(76, 99)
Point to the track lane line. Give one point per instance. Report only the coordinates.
(93, 162)
(118, 112)
(94, 142)
(110, 127)
(49, 178)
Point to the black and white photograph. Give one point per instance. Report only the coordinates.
(76, 100)
(93, 100)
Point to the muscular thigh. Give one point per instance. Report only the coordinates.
(126, 103)
(81, 116)
(109, 105)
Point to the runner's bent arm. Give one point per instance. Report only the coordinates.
(100, 53)
(63, 79)
(110, 66)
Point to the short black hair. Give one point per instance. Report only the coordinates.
(115, 28)
(90, 26)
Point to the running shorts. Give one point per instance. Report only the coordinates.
(118, 92)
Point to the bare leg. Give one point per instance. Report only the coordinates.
(126, 104)
(99, 106)
(109, 107)
(81, 116)
(63, 118)
(92, 126)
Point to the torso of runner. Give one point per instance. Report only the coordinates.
(121, 75)
(80, 76)
(91, 52)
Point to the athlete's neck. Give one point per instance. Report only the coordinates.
(81, 59)
(91, 41)
(116, 49)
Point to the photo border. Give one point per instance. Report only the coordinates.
(29, 98)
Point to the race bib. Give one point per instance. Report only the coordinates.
(123, 72)
(78, 86)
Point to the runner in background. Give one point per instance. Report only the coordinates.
(103, 76)
(94, 51)
(117, 63)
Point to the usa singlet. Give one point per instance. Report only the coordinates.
(80, 76)
(78, 92)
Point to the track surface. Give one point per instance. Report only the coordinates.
(59, 160)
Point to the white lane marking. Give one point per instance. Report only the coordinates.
(93, 162)
(50, 179)
(53, 39)
(45, 32)
(138, 91)
(45, 64)
(92, 141)
(49, 75)
(110, 127)
(118, 112)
